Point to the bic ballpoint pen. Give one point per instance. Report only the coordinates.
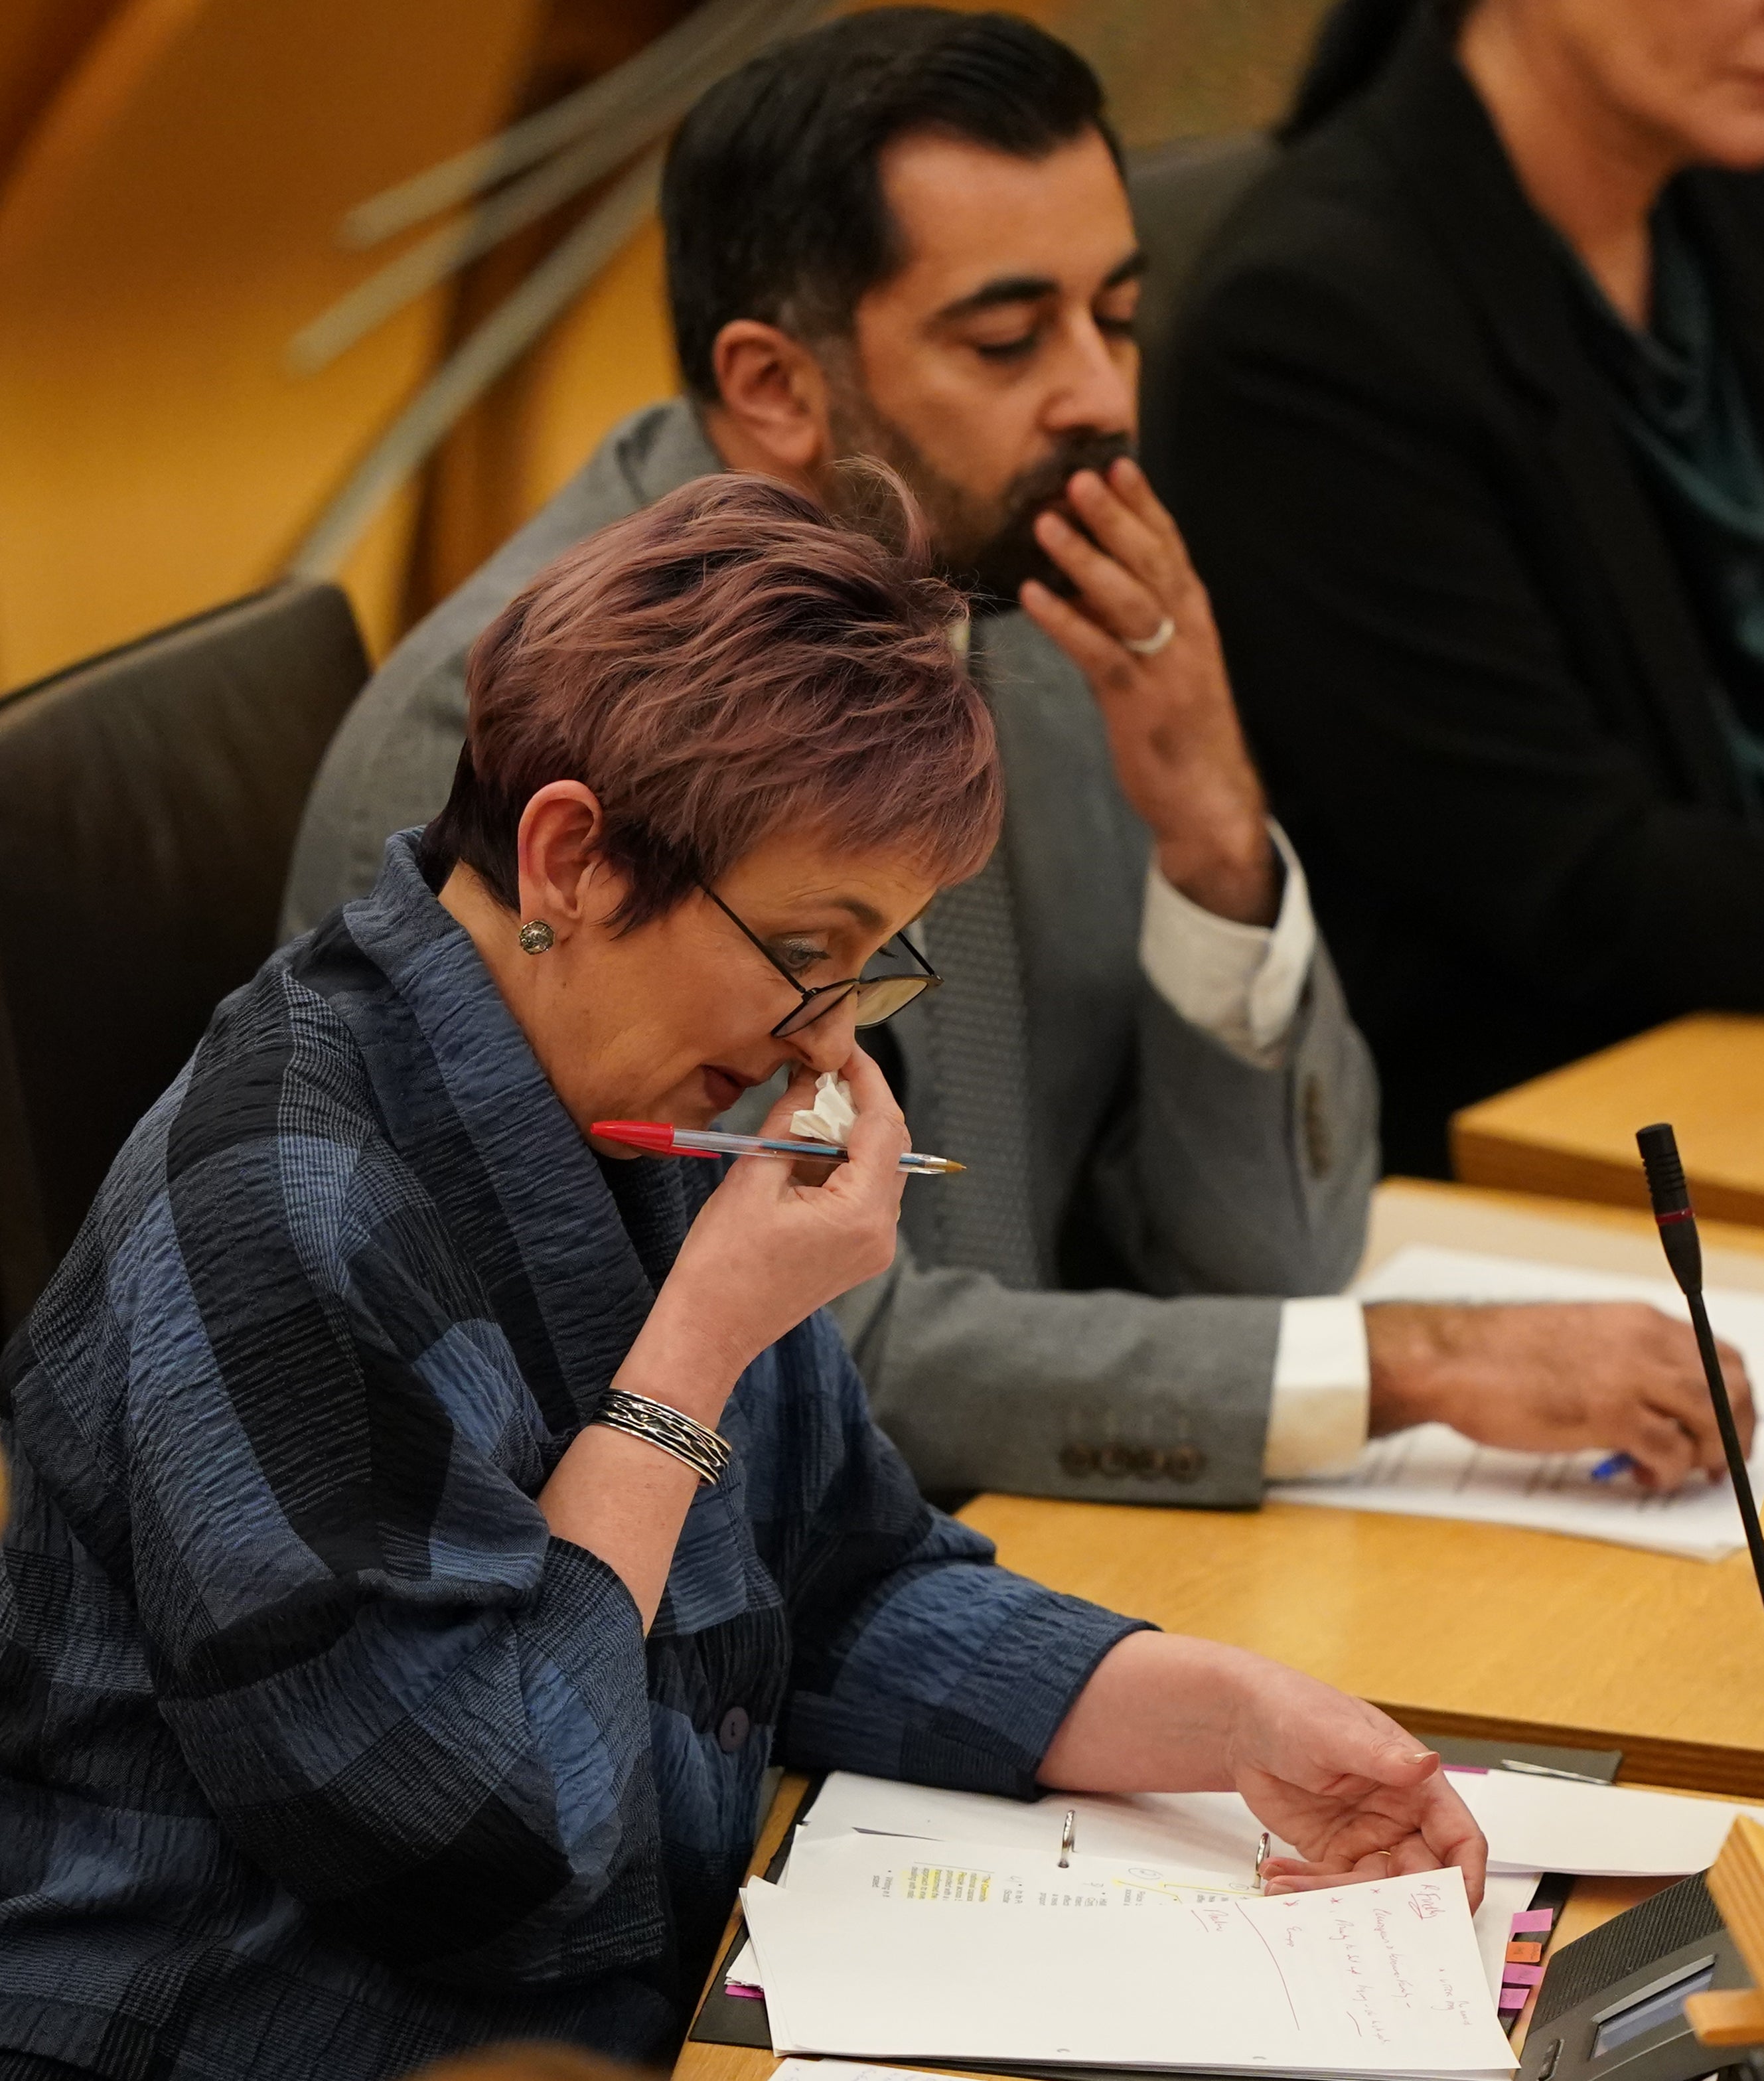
(660, 1139)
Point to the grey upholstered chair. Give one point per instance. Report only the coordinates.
(148, 805)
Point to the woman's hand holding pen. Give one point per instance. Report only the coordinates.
(770, 1246)
(764, 1252)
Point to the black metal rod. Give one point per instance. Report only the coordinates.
(1677, 1225)
(1730, 1436)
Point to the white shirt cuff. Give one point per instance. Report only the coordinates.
(1322, 1386)
(1240, 983)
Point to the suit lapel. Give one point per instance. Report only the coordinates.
(1458, 181)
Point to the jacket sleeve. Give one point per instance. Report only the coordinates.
(914, 1655)
(1218, 1176)
(1215, 1185)
(1365, 521)
(419, 1713)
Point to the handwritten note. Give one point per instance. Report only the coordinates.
(1372, 1956)
(1379, 1979)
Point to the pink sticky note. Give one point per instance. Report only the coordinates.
(1514, 1998)
(743, 1993)
(1522, 1976)
(1466, 1769)
(1534, 1918)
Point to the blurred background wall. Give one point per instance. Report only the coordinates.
(175, 176)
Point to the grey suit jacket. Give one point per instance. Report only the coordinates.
(1179, 1190)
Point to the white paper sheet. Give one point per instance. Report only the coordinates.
(1379, 1979)
(906, 1873)
(872, 1866)
(1599, 1830)
(846, 2070)
(1212, 1836)
(1533, 1824)
(1432, 1471)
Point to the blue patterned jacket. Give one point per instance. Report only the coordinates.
(318, 1756)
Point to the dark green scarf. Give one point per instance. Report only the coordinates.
(1678, 395)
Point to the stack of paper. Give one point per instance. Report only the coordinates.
(871, 1848)
(1015, 1964)
(1154, 1848)
(1432, 1471)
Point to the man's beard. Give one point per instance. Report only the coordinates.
(985, 546)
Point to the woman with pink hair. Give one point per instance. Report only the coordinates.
(429, 1522)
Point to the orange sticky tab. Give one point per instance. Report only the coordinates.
(1524, 1954)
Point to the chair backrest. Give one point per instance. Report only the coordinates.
(149, 800)
(1181, 193)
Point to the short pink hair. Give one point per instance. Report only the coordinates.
(724, 664)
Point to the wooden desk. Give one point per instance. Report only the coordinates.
(1459, 1629)
(1576, 1232)
(1471, 1630)
(1573, 1132)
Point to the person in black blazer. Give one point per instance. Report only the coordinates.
(1466, 437)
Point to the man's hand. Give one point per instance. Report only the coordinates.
(1172, 730)
(1616, 1375)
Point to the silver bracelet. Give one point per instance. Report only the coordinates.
(657, 1424)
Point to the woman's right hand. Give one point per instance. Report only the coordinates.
(768, 1249)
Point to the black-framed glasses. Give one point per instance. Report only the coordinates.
(879, 997)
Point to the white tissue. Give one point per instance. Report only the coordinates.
(833, 1117)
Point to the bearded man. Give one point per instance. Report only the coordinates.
(905, 235)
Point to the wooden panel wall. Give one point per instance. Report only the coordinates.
(171, 175)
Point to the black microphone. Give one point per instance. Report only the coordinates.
(1678, 1226)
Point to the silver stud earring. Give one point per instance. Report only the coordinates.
(536, 936)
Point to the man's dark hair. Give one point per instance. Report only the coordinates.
(772, 199)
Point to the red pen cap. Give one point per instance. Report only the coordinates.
(655, 1135)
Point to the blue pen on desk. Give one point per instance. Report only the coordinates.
(1608, 1470)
